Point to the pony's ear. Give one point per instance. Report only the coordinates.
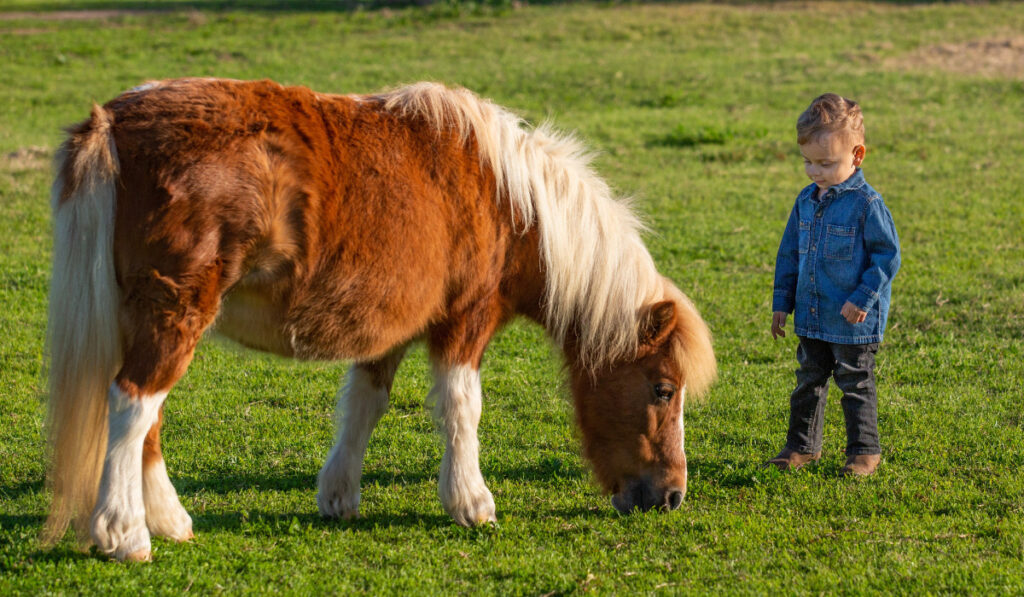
(657, 323)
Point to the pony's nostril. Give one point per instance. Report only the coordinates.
(638, 497)
(674, 499)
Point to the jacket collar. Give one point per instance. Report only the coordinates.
(853, 183)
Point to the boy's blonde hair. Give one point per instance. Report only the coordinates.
(830, 113)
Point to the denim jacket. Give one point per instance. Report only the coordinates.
(840, 248)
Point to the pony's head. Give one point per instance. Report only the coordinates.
(630, 411)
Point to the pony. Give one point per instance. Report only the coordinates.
(344, 227)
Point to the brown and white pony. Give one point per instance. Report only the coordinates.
(344, 227)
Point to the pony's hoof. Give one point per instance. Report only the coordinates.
(121, 538)
(165, 516)
(338, 507)
(471, 511)
(338, 490)
(142, 555)
(172, 522)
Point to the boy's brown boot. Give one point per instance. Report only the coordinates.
(860, 465)
(791, 460)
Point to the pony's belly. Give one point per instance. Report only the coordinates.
(255, 321)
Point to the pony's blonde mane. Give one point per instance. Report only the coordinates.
(598, 271)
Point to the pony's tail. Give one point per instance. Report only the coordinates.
(83, 336)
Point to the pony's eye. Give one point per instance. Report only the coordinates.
(664, 391)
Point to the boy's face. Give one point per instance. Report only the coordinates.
(831, 158)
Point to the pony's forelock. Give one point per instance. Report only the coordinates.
(691, 347)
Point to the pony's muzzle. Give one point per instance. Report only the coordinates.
(641, 494)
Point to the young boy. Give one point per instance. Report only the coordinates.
(834, 271)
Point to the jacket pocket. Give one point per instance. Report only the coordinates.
(804, 240)
(839, 242)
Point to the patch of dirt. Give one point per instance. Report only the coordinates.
(27, 158)
(72, 15)
(999, 57)
(26, 31)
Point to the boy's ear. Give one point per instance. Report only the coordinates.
(858, 155)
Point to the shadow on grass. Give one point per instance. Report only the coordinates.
(57, 555)
(20, 489)
(568, 513)
(731, 473)
(224, 484)
(23, 551)
(270, 524)
(543, 470)
(9, 522)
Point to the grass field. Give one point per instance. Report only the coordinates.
(692, 109)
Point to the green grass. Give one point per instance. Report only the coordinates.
(692, 109)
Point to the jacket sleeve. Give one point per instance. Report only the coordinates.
(883, 248)
(787, 265)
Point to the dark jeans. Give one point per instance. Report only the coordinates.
(853, 367)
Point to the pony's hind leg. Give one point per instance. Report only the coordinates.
(118, 525)
(361, 403)
(164, 514)
(162, 321)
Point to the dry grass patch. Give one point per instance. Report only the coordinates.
(75, 15)
(27, 158)
(998, 57)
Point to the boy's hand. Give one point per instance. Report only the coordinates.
(853, 314)
(778, 322)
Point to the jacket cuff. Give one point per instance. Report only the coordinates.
(782, 301)
(864, 298)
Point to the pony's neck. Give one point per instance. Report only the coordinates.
(594, 324)
(595, 270)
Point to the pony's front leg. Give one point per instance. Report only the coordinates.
(361, 404)
(118, 524)
(463, 492)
